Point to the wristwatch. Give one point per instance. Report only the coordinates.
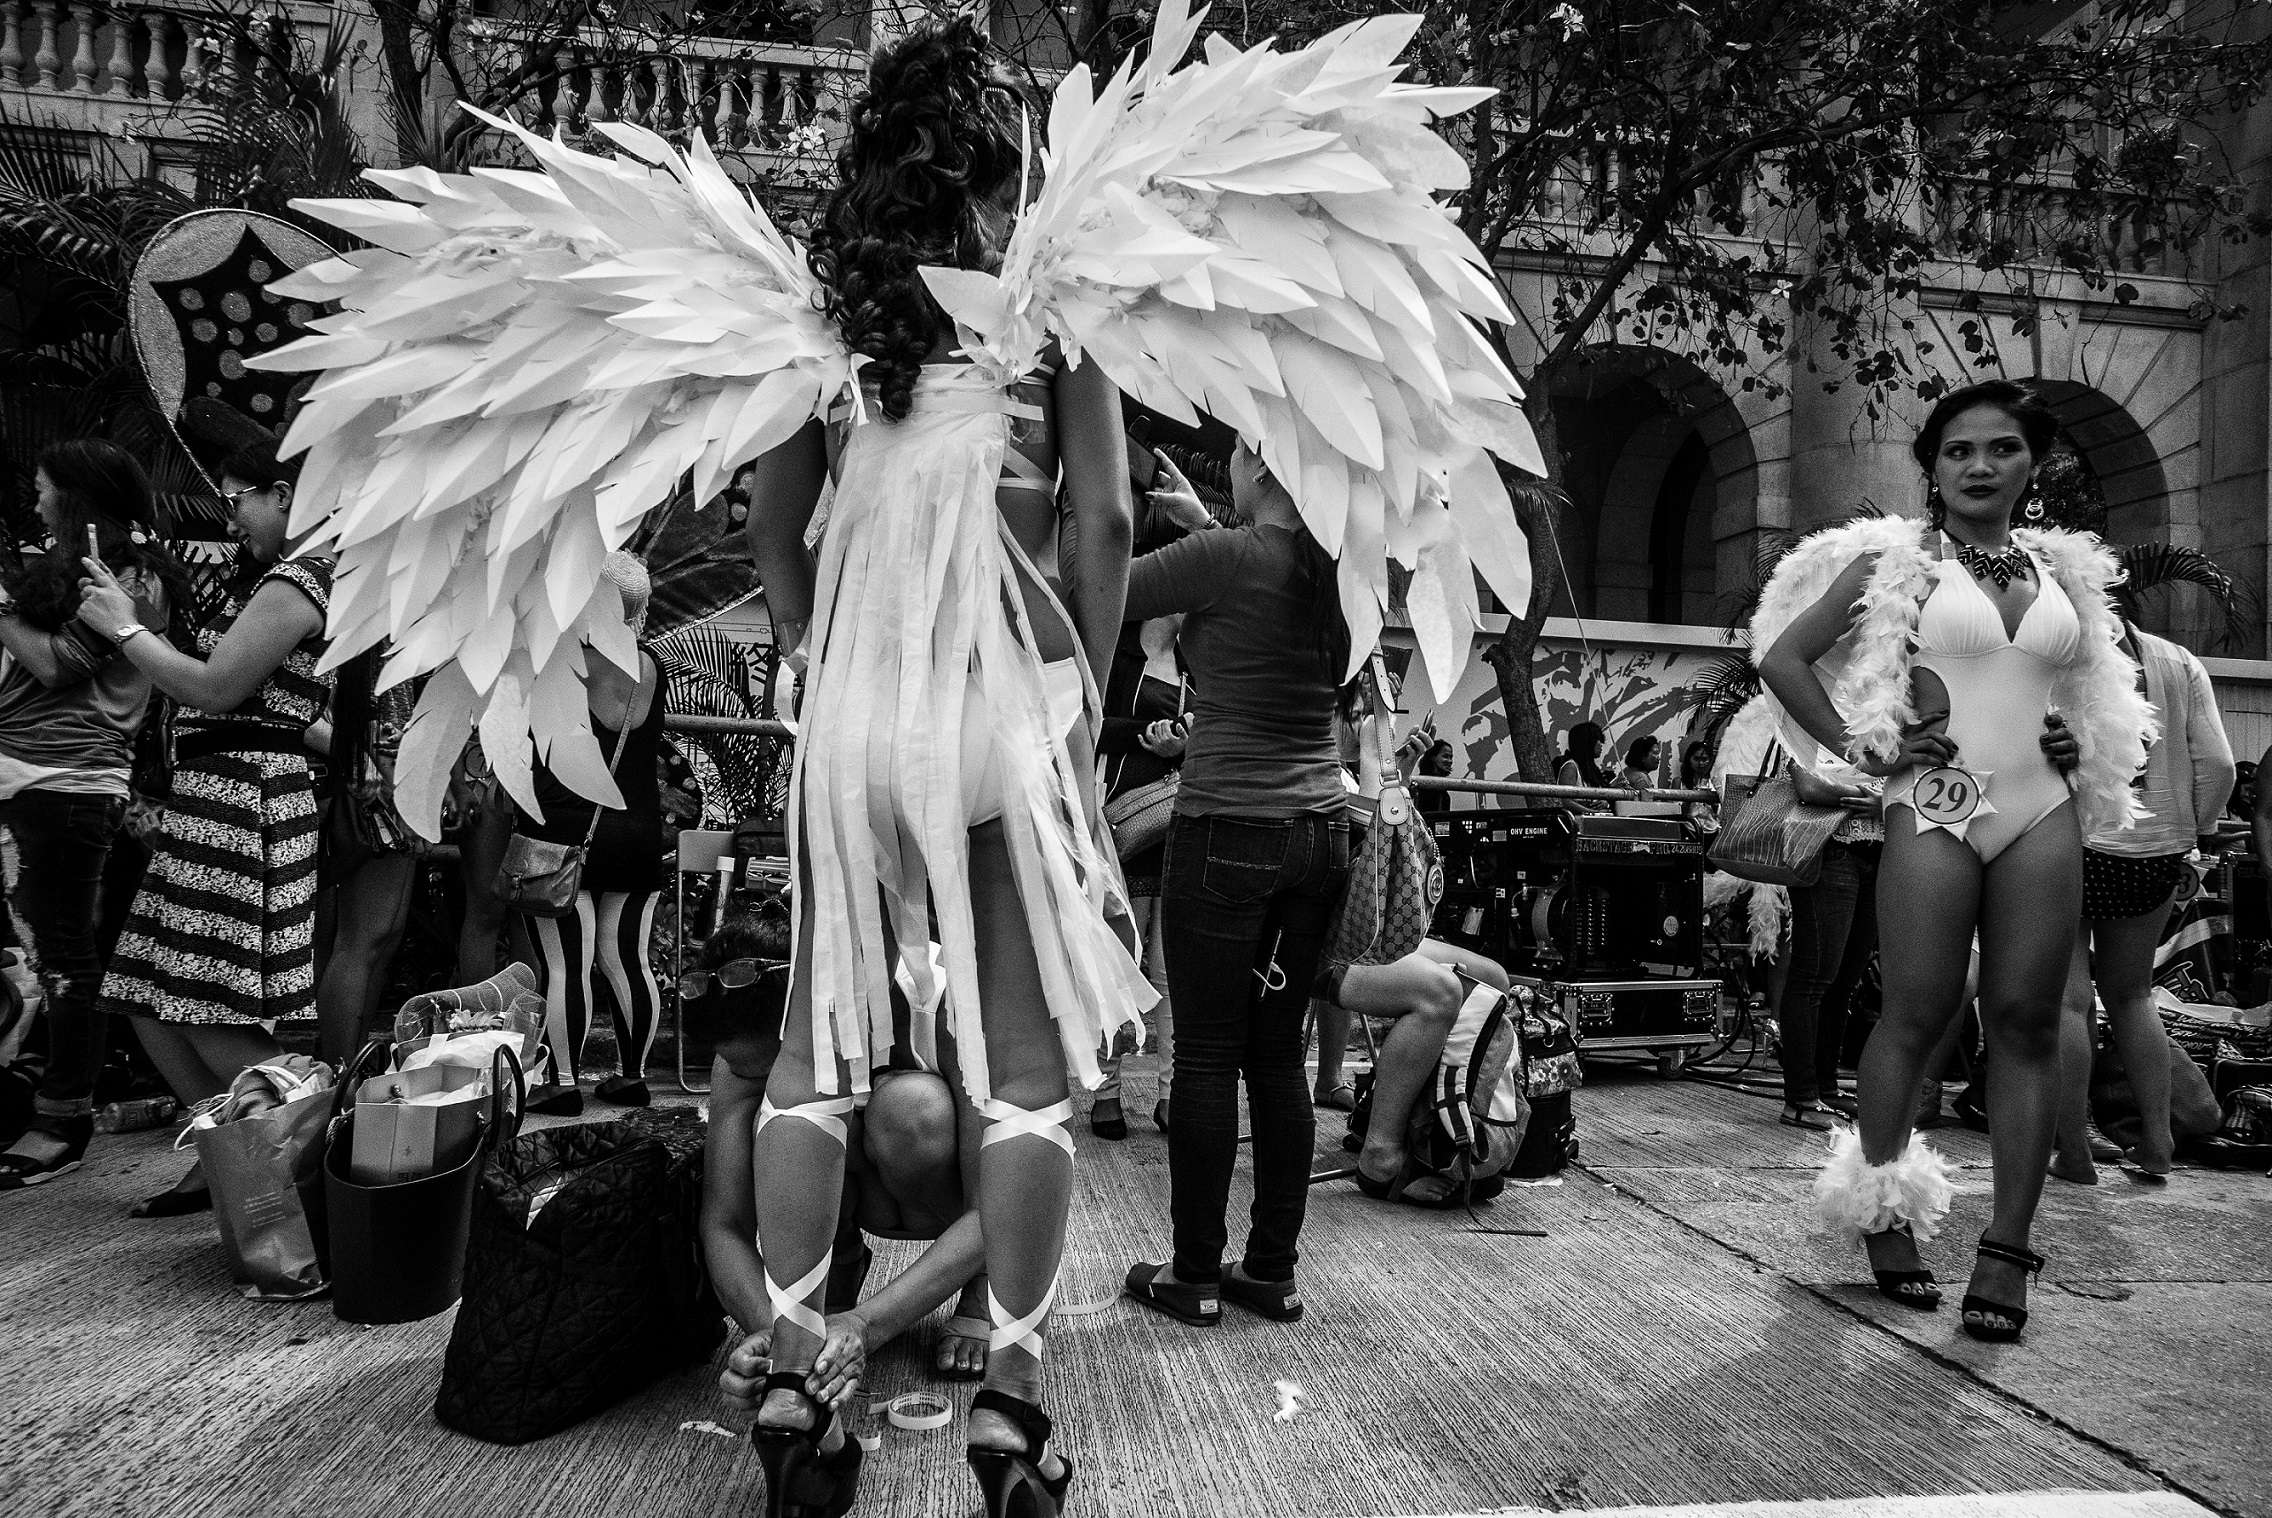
(119, 635)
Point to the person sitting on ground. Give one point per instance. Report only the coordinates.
(904, 1179)
(1421, 994)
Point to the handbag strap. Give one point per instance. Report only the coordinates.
(622, 736)
(1384, 722)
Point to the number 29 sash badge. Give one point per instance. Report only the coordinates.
(1949, 796)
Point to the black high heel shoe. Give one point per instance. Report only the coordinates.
(1902, 1285)
(800, 1481)
(1978, 1311)
(1004, 1475)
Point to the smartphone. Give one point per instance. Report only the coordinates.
(1143, 463)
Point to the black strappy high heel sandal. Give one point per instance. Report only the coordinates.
(800, 1481)
(1978, 1309)
(1902, 1285)
(1011, 1479)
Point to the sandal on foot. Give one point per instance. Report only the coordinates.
(20, 1171)
(970, 1330)
(1279, 1301)
(800, 1481)
(177, 1201)
(1903, 1286)
(1006, 1475)
(1199, 1306)
(1980, 1312)
(1809, 1116)
(1341, 1097)
(2138, 1170)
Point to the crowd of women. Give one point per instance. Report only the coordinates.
(177, 787)
(1962, 674)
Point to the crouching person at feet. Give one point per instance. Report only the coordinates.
(903, 1180)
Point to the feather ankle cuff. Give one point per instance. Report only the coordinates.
(1853, 1197)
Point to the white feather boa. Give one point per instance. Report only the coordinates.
(1868, 672)
(1853, 1197)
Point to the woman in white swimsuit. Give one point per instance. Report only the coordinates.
(2014, 680)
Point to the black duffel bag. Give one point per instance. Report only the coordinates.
(584, 1277)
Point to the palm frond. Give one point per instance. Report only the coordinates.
(1723, 687)
(2152, 566)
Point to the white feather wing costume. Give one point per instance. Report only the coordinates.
(1258, 236)
(523, 368)
(530, 361)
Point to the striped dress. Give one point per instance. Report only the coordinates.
(222, 929)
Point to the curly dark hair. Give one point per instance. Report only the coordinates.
(934, 140)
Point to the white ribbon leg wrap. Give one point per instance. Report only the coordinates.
(1003, 1123)
(789, 1301)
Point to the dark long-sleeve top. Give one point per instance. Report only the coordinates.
(1133, 701)
(1262, 744)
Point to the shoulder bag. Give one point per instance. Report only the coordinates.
(1767, 834)
(540, 877)
(1395, 878)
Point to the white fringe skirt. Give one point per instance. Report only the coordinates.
(920, 625)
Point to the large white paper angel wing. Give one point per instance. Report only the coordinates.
(524, 366)
(1261, 236)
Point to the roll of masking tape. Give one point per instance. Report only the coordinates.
(918, 1412)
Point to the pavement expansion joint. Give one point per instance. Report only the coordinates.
(1832, 1295)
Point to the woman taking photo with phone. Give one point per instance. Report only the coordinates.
(219, 946)
(1256, 856)
(1974, 663)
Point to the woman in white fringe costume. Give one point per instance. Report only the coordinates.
(974, 775)
(1975, 666)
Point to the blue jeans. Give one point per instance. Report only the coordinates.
(62, 841)
(1832, 928)
(1246, 904)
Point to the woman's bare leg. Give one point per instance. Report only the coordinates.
(373, 905)
(1332, 1048)
(1025, 1186)
(2031, 903)
(2123, 956)
(2071, 1151)
(799, 1163)
(1423, 996)
(1928, 899)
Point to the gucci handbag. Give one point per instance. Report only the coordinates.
(540, 877)
(1767, 833)
(1396, 878)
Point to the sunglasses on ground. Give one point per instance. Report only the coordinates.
(733, 975)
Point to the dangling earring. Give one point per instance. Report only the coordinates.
(2031, 510)
(1936, 509)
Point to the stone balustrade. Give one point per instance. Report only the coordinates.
(151, 54)
(742, 96)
